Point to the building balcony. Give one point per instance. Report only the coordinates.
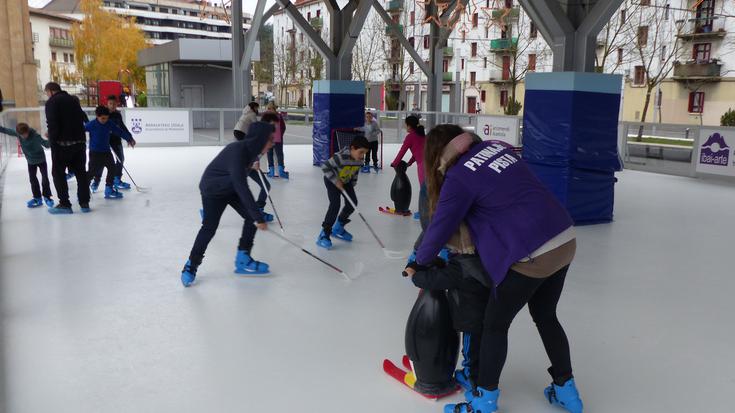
(395, 6)
(389, 32)
(698, 71)
(698, 29)
(59, 42)
(503, 45)
(317, 22)
(447, 77)
(448, 52)
(498, 77)
(511, 13)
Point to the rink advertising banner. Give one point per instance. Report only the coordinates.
(158, 126)
(715, 152)
(499, 128)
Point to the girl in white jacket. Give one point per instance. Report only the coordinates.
(249, 115)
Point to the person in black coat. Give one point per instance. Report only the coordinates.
(224, 183)
(65, 122)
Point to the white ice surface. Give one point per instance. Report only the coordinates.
(94, 317)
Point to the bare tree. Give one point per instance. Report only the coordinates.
(654, 34)
(519, 50)
(283, 67)
(613, 39)
(399, 63)
(367, 57)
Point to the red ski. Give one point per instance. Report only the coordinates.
(392, 211)
(409, 379)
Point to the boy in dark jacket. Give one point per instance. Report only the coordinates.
(100, 155)
(32, 145)
(340, 175)
(116, 145)
(224, 183)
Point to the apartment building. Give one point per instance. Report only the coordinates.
(53, 51)
(165, 20)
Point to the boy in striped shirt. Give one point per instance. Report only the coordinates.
(340, 176)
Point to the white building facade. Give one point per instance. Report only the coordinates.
(53, 50)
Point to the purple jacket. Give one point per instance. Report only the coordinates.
(509, 212)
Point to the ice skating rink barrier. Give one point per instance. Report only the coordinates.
(661, 147)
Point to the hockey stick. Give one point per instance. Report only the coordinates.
(388, 253)
(305, 251)
(137, 188)
(267, 192)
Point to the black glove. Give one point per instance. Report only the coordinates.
(416, 267)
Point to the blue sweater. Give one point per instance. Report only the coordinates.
(509, 212)
(99, 135)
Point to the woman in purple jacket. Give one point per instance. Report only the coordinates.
(525, 240)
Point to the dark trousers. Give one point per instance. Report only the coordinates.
(239, 135)
(335, 201)
(278, 149)
(35, 188)
(542, 296)
(99, 161)
(213, 210)
(118, 149)
(423, 215)
(372, 152)
(74, 158)
(256, 176)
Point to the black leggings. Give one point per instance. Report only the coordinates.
(373, 151)
(35, 187)
(120, 154)
(99, 161)
(278, 150)
(213, 210)
(255, 175)
(542, 296)
(75, 158)
(423, 215)
(335, 201)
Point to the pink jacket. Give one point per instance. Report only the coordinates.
(415, 143)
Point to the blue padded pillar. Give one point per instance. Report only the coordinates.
(337, 104)
(570, 139)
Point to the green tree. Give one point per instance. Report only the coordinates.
(264, 68)
(728, 119)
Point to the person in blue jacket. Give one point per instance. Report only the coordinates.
(100, 152)
(225, 182)
(525, 240)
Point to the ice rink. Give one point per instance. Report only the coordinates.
(95, 319)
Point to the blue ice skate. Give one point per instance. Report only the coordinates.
(339, 231)
(119, 184)
(188, 274)
(365, 169)
(34, 203)
(94, 186)
(85, 208)
(271, 172)
(481, 400)
(60, 210)
(266, 216)
(324, 241)
(112, 193)
(49, 202)
(245, 264)
(282, 172)
(566, 396)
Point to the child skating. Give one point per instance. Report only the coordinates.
(272, 116)
(116, 145)
(100, 152)
(340, 175)
(224, 183)
(32, 144)
(372, 134)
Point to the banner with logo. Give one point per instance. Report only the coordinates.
(499, 128)
(715, 152)
(158, 126)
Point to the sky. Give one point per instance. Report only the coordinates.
(248, 5)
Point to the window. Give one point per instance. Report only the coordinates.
(508, 4)
(504, 33)
(71, 57)
(308, 16)
(696, 102)
(642, 36)
(667, 10)
(640, 75)
(623, 16)
(503, 98)
(445, 65)
(663, 53)
(533, 32)
(483, 95)
(413, 17)
(426, 41)
(532, 62)
(53, 56)
(473, 78)
(66, 58)
(412, 42)
(318, 12)
(620, 55)
(464, 36)
(484, 62)
(462, 64)
(487, 32)
(410, 67)
(475, 20)
(645, 2)
(474, 49)
(301, 36)
(701, 52)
